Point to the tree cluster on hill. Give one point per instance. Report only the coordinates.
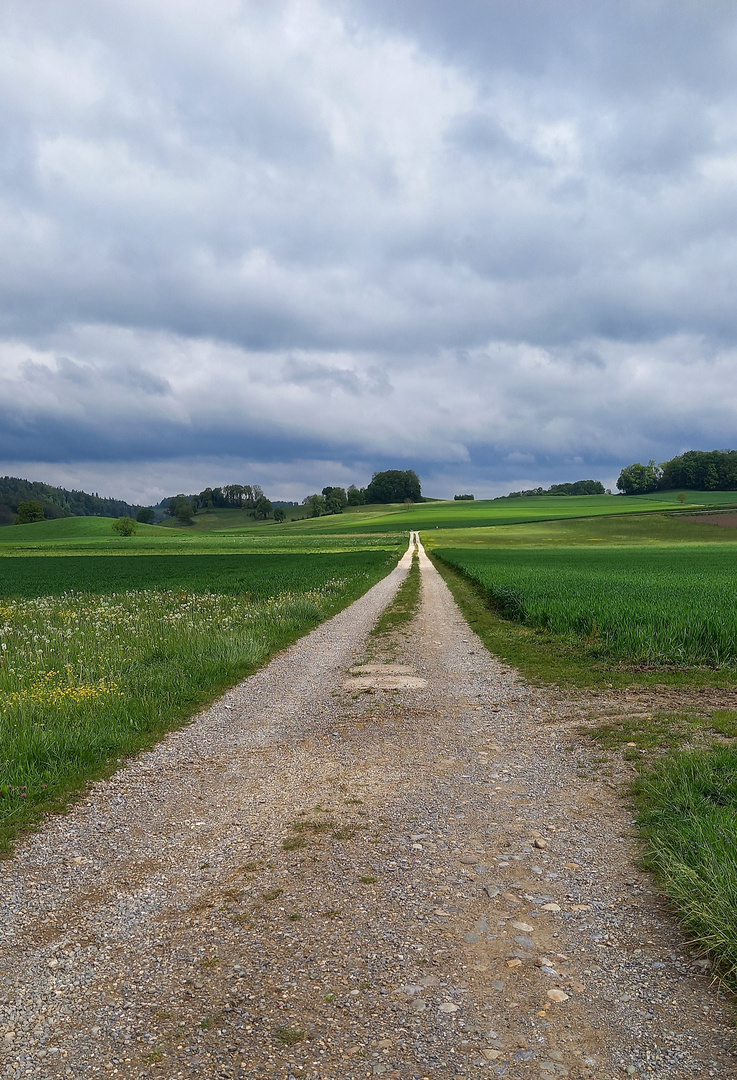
(463, 498)
(57, 502)
(233, 496)
(578, 487)
(696, 470)
(391, 486)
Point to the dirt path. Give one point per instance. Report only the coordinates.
(374, 857)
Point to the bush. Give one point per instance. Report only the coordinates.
(124, 526)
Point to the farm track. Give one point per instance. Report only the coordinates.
(374, 857)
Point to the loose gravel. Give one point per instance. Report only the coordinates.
(374, 857)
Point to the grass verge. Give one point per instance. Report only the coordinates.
(687, 811)
(685, 794)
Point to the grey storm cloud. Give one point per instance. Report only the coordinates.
(489, 241)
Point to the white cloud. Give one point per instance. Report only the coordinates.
(446, 235)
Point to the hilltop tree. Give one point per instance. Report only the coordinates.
(394, 486)
(145, 515)
(279, 515)
(639, 479)
(338, 497)
(263, 507)
(316, 505)
(355, 497)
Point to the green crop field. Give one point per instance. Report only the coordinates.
(664, 606)
(465, 515)
(100, 655)
(260, 576)
(87, 536)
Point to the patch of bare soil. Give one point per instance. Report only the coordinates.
(726, 520)
(332, 875)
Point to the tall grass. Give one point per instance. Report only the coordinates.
(688, 811)
(86, 678)
(668, 606)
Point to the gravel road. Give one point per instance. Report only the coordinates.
(377, 856)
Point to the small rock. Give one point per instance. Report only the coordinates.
(525, 941)
(449, 1007)
(490, 1054)
(418, 1005)
(382, 1044)
(540, 843)
(551, 907)
(557, 995)
(514, 963)
(497, 984)
(524, 927)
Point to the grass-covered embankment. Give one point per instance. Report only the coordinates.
(88, 677)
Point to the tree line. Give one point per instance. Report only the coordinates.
(696, 470)
(578, 487)
(248, 497)
(55, 502)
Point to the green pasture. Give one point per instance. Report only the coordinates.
(480, 514)
(698, 499)
(229, 518)
(70, 528)
(87, 536)
(651, 530)
(99, 656)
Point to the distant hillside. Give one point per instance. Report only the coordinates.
(57, 502)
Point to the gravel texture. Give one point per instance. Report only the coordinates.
(374, 857)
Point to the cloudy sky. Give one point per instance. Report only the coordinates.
(293, 242)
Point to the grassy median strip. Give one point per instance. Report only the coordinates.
(404, 607)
